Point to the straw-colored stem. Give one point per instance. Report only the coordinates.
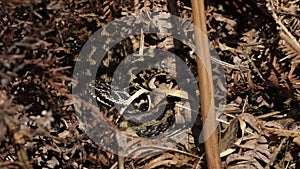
(205, 85)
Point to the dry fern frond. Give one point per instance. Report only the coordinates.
(289, 51)
(166, 160)
(251, 148)
(297, 94)
(251, 37)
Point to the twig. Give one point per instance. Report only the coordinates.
(263, 116)
(121, 162)
(114, 166)
(281, 132)
(236, 67)
(121, 142)
(245, 104)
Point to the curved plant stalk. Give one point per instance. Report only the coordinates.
(206, 87)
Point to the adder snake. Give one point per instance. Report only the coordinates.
(148, 105)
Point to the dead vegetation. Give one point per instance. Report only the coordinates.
(39, 45)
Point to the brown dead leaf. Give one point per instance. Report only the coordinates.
(230, 135)
(244, 160)
(252, 146)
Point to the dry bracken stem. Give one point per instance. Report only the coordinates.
(121, 142)
(121, 162)
(225, 64)
(205, 83)
(286, 35)
(114, 166)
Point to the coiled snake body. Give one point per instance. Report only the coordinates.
(148, 105)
